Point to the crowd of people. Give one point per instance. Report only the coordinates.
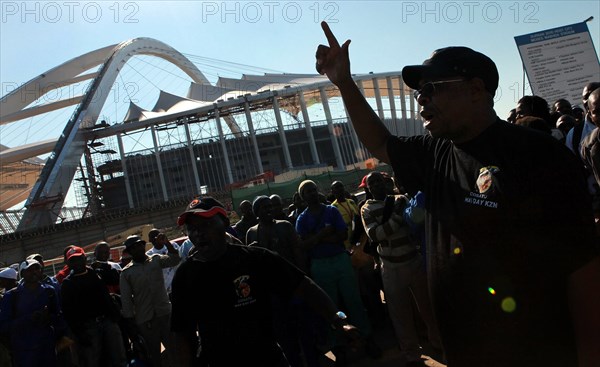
(486, 235)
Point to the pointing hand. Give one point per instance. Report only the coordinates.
(333, 60)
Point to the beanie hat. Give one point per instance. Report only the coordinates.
(303, 185)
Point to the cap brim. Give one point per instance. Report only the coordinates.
(201, 213)
(28, 266)
(414, 74)
(133, 244)
(7, 274)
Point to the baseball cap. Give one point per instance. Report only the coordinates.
(75, 251)
(206, 207)
(27, 264)
(8, 273)
(363, 182)
(37, 257)
(453, 61)
(131, 241)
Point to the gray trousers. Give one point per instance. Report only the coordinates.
(401, 282)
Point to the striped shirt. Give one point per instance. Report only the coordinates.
(394, 236)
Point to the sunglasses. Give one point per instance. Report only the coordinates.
(200, 226)
(429, 88)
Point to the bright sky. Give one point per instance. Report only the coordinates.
(281, 35)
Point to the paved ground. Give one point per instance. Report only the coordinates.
(392, 356)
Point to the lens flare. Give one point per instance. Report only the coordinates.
(509, 305)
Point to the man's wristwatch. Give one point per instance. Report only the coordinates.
(339, 320)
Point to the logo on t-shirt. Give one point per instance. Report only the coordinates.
(485, 179)
(484, 194)
(243, 290)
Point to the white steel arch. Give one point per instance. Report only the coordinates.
(48, 194)
(68, 73)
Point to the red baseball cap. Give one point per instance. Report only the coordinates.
(363, 183)
(75, 251)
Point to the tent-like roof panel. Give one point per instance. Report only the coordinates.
(134, 112)
(167, 101)
(206, 92)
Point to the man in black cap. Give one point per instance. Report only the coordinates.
(513, 283)
(234, 284)
(145, 303)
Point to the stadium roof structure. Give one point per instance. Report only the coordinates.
(45, 183)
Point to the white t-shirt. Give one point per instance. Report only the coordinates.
(168, 273)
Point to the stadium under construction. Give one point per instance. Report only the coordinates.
(218, 138)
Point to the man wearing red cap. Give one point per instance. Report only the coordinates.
(513, 283)
(91, 314)
(235, 283)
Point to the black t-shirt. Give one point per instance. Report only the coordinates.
(233, 314)
(508, 219)
(108, 274)
(84, 297)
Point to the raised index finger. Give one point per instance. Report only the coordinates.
(333, 42)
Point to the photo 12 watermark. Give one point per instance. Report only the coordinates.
(50, 93)
(68, 11)
(469, 11)
(268, 11)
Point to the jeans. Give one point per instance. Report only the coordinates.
(155, 332)
(100, 344)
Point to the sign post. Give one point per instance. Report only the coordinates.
(559, 62)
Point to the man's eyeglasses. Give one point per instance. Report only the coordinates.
(429, 88)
